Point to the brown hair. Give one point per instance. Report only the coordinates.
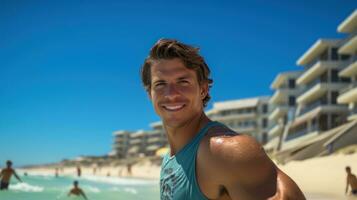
(189, 55)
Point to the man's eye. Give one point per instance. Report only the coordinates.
(184, 82)
(159, 85)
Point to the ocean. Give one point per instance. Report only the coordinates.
(39, 187)
(48, 187)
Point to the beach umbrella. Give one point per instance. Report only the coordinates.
(162, 151)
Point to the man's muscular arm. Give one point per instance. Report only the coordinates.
(241, 166)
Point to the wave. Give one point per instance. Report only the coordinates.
(91, 189)
(131, 190)
(25, 187)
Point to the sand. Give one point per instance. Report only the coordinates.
(145, 170)
(322, 175)
(322, 178)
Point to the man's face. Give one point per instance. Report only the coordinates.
(175, 92)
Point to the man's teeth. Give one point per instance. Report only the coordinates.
(173, 107)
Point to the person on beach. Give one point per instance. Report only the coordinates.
(351, 181)
(77, 191)
(6, 174)
(79, 171)
(128, 168)
(207, 160)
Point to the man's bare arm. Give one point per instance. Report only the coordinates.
(84, 195)
(17, 177)
(255, 175)
(347, 183)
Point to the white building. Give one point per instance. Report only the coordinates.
(283, 106)
(348, 95)
(317, 107)
(247, 116)
(139, 143)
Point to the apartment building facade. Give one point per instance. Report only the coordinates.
(283, 106)
(139, 143)
(247, 116)
(348, 95)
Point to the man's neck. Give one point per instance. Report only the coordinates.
(178, 137)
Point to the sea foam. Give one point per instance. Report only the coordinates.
(25, 187)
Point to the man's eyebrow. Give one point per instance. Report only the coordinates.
(185, 76)
(158, 81)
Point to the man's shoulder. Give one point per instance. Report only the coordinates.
(226, 146)
(7, 170)
(232, 157)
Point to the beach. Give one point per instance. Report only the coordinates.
(322, 175)
(320, 178)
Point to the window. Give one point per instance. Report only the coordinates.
(345, 57)
(334, 95)
(265, 123)
(292, 101)
(291, 83)
(345, 79)
(334, 53)
(265, 108)
(334, 76)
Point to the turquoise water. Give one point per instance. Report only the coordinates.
(96, 188)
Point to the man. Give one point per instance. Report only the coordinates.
(207, 160)
(77, 191)
(351, 181)
(6, 174)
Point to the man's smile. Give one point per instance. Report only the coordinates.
(173, 107)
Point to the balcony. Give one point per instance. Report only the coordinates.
(278, 112)
(348, 25)
(349, 94)
(316, 69)
(312, 106)
(350, 45)
(351, 68)
(244, 129)
(313, 91)
(276, 130)
(154, 140)
(234, 116)
(281, 95)
(135, 141)
(301, 133)
(352, 114)
(315, 50)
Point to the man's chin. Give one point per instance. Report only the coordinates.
(173, 123)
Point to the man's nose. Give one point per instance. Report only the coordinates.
(172, 91)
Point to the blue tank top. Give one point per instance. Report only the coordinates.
(178, 173)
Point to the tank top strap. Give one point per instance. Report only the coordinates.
(204, 130)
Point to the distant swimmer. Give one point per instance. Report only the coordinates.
(77, 191)
(6, 174)
(351, 181)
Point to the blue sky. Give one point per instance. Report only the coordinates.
(69, 71)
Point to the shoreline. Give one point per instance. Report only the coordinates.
(320, 178)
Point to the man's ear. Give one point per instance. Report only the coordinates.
(203, 90)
